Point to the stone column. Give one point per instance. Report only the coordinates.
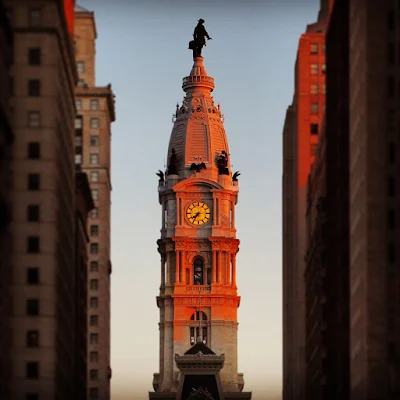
(163, 215)
(228, 279)
(233, 214)
(215, 212)
(219, 266)
(233, 269)
(162, 271)
(214, 267)
(182, 272)
(177, 266)
(178, 212)
(168, 268)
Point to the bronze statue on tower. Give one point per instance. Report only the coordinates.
(199, 39)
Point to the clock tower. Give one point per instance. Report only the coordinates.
(198, 298)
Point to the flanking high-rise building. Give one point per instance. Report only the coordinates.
(95, 113)
(300, 140)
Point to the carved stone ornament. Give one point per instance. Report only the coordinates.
(191, 245)
(231, 245)
(190, 255)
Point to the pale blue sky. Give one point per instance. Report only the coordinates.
(142, 51)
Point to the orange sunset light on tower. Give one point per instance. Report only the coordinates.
(198, 297)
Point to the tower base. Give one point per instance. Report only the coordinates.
(199, 377)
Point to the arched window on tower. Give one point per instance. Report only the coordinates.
(198, 271)
(197, 326)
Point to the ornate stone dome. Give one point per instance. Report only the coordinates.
(198, 135)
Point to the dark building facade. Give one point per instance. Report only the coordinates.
(42, 287)
(315, 277)
(327, 274)
(84, 204)
(337, 356)
(374, 194)
(300, 137)
(6, 140)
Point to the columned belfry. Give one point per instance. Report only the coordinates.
(198, 298)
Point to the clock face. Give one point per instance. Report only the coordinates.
(198, 213)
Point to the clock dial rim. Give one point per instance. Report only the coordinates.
(189, 214)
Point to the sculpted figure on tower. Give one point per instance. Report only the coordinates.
(199, 39)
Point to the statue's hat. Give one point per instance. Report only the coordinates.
(201, 20)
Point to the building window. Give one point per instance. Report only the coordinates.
(94, 266)
(391, 186)
(94, 284)
(9, 14)
(94, 176)
(194, 331)
(94, 123)
(314, 129)
(323, 69)
(392, 219)
(391, 252)
(323, 48)
(34, 150)
(32, 370)
(78, 105)
(314, 88)
(33, 244)
(94, 104)
(391, 86)
(35, 17)
(78, 122)
(392, 153)
(314, 148)
(391, 20)
(81, 83)
(391, 53)
(94, 374)
(33, 213)
(94, 320)
(34, 56)
(94, 338)
(94, 140)
(78, 143)
(94, 248)
(34, 87)
(94, 214)
(198, 271)
(95, 194)
(32, 396)
(32, 338)
(78, 159)
(32, 307)
(94, 302)
(324, 88)
(314, 69)
(94, 230)
(314, 48)
(93, 393)
(94, 356)
(32, 276)
(33, 119)
(80, 66)
(314, 108)
(33, 181)
(94, 158)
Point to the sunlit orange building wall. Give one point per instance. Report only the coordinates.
(69, 10)
(300, 139)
